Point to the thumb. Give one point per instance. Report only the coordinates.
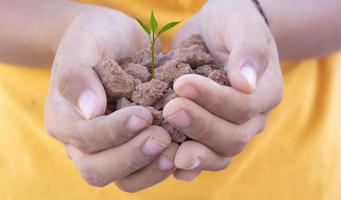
(246, 66)
(83, 89)
(251, 46)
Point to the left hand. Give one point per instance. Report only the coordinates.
(221, 120)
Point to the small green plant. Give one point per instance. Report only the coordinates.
(153, 35)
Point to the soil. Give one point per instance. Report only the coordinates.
(128, 82)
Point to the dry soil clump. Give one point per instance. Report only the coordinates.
(128, 82)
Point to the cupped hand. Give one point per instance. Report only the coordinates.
(221, 120)
(123, 146)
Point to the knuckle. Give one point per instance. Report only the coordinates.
(50, 130)
(277, 93)
(80, 144)
(113, 132)
(279, 96)
(242, 140)
(93, 180)
(261, 128)
(262, 125)
(246, 113)
(237, 145)
(125, 187)
(234, 150)
(80, 141)
(90, 174)
(216, 104)
(205, 133)
(276, 99)
(225, 163)
(132, 164)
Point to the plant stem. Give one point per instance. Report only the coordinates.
(153, 61)
(153, 58)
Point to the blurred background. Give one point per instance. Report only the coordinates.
(298, 156)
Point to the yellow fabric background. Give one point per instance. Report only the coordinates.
(298, 156)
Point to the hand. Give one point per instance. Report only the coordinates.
(221, 120)
(122, 146)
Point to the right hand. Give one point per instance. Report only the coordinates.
(123, 146)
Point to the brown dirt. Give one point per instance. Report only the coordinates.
(117, 83)
(127, 82)
(172, 70)
(148, 93)
(137, 71)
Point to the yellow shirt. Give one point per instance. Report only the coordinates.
(298, 156)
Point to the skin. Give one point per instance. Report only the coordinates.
(123, 147)
(37, 25)
(221, 131)
(310, 24)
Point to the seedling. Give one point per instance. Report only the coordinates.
(153, 35)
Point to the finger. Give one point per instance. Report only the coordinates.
(220, 135)
(186, 175)
(73, 76)
(152, 174)
(193, 155)
(107, 166)
(251, 47)
(83, 89)
(228, 103)
(75, 79)
(64, 123)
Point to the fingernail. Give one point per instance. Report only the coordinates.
(180, 119)
(136, 123)
(250, 75)
(188, 91)
(87, 103)
(194, 164)
(165, 164)
(153, 147)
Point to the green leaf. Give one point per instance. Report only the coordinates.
(144, 26)
(153, 23)
(168, 26)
